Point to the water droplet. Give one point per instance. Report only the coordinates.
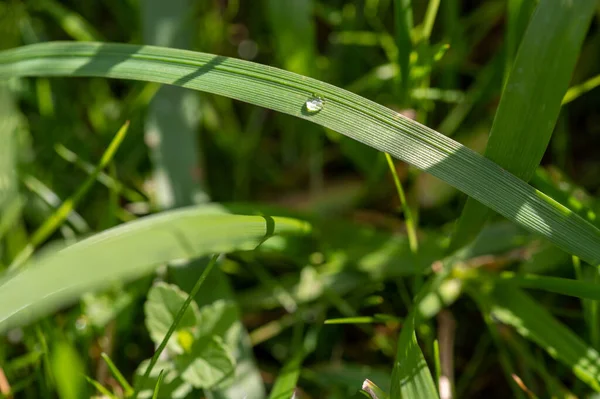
(314, 104)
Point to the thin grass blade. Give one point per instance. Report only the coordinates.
(60, 215)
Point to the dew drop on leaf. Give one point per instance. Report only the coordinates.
(314, 104)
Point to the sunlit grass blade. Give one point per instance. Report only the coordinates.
(579, 90)
(576, 288)
(347, 113)
(176, 320)
(378, 318)
(54, 202)
(430, 14)
(108, 181)
(511, 306)
(532, 97)
(54, 222)
(128, 251)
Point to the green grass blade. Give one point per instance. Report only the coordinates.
(128, 390)
(285, 385)
(61, 214)
(576, 288)
(176, 320)
(104, 391)
(574, 92)
(411, 377)
(532, 97)
(403, 21)
(128, 251)
(158, 384)
(430, 14)
(513, 307)
(518, 15)
(411, 228)
(344, 112)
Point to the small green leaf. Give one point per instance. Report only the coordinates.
(164, 301)
(217, 319)
(210, 363)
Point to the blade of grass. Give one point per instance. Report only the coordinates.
(519, 12)
(576, 91)
(378, 318)
(411, 377)
(158, 383)
(176, 320)
(411, 227)
(285, 384)
(60, 215)
(531, 98)
(71, 22)
(430, 14)
(127, 389)
(403, 25)
(129, 251)
(54, 201)
(108, 181)
(576, 288)
(100, 388)
(352, 115)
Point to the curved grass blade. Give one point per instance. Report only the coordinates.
(344, 112)
(128, 251)
(532, 97)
